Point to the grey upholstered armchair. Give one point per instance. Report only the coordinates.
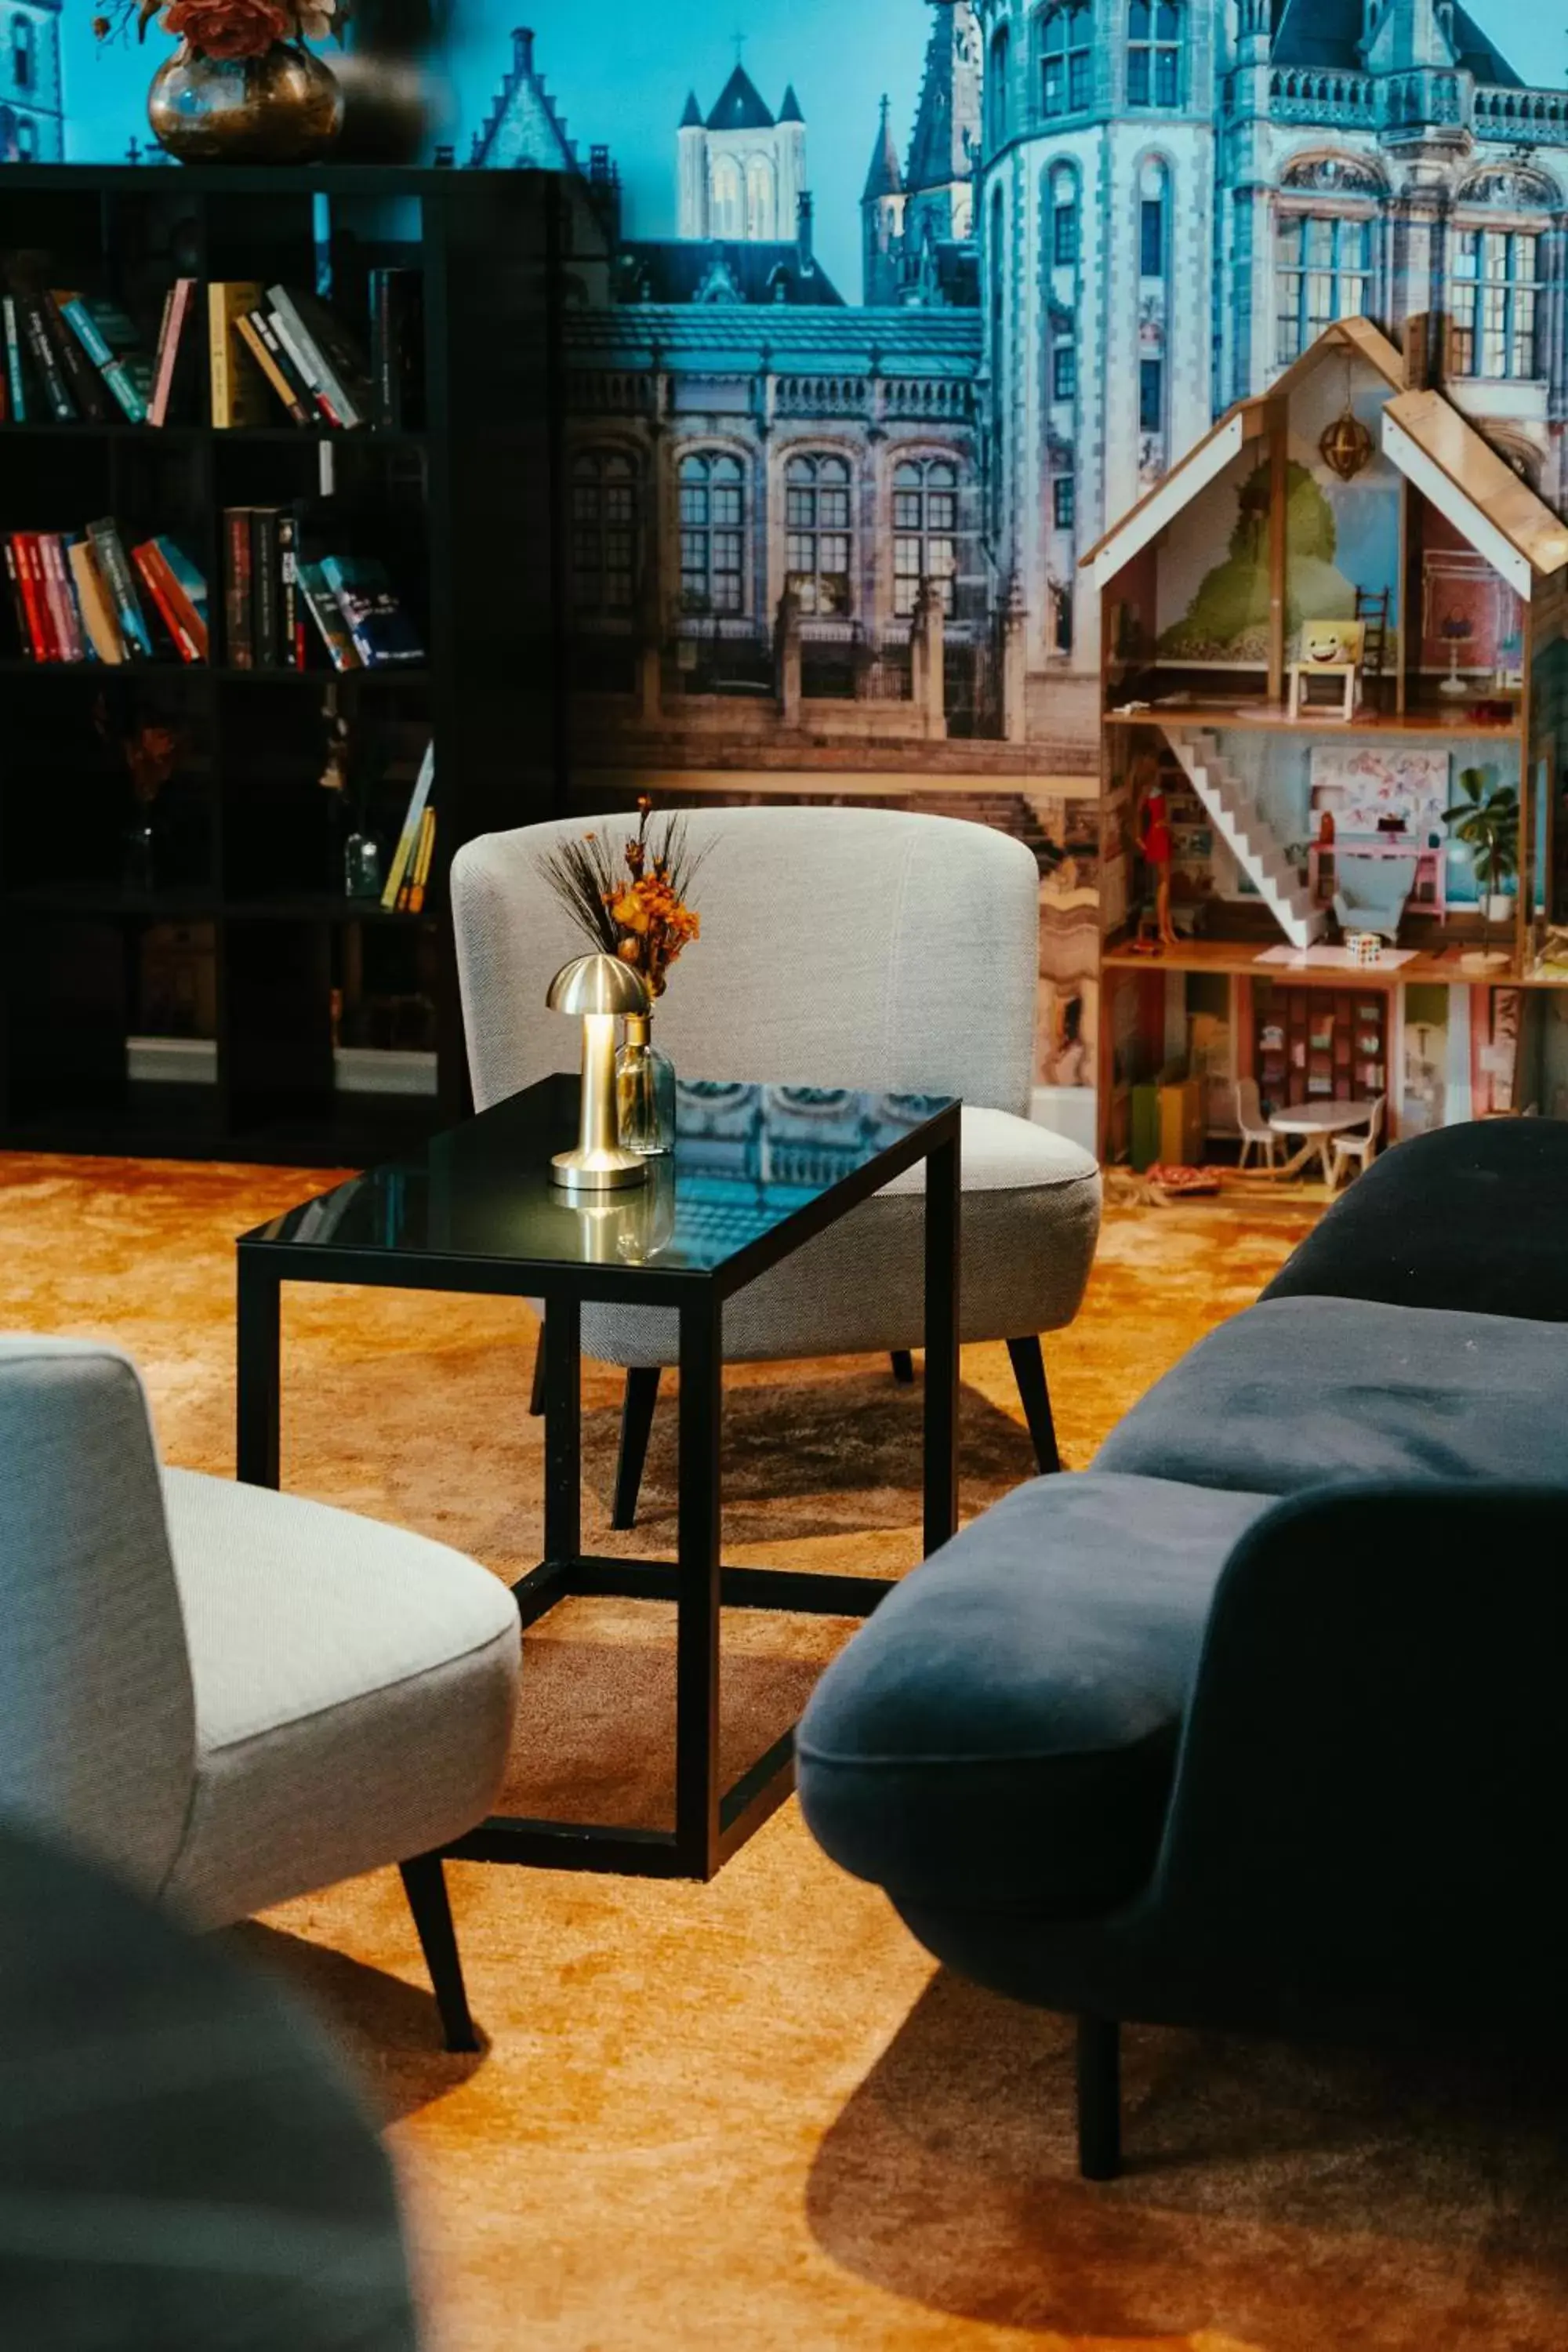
(232, 1696)
(840, 948)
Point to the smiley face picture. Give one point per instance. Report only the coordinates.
(1332, 644)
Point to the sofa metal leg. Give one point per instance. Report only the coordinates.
(1029, 1372)
(536, 1401)
(424, 1884)
(904, 1367)
(1099, 2098)
(637, 1422)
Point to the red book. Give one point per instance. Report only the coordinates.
(18, 606)
(25, 543)
(181, 618)
(236, 588)
(58, 594)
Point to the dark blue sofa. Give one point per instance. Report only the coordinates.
(1258, 1723)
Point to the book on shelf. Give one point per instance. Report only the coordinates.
(409, 839)
(268, 354)
(261, 616)
(397, 348)
(175, 373)
(290, 615)
(88, 389)
(108, 340)
(25, 320)
(325, 610)
(239, 392)
(325, 353)
(96, 605)
(16, 382)
(109, 551)
(265, 646)
(411, 898)
(238, 648)
(383, 635)
(179, 591)
(60, 595)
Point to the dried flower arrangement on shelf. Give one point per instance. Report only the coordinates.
(631, 897)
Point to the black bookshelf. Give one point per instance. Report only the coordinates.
(242, 938)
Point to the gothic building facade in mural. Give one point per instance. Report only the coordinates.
(32, 126)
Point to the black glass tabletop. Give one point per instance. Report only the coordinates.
(748, 1157)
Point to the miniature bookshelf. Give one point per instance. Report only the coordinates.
(242, 1005)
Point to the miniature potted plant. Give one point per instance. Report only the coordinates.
(242, 86)
(1486, 822)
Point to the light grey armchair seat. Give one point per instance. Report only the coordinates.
(840, 948)
(231, 1696)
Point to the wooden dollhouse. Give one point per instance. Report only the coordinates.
(1342, 617)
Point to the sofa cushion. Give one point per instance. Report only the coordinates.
(1300, 1390)
(1002, 1734)
(1469, 1217)
(354, 1687)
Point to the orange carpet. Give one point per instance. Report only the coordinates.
(754, 2116)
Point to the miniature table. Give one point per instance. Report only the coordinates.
(1318, 1123)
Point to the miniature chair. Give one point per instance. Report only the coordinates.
(1331, 649)
(858, 947)
(229, 1697)
(1257, 1135)
(1371, 893)
(1361, 1148)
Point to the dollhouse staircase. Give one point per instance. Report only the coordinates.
(1240, 823)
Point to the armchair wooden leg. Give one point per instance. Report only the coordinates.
(424, 1884)
(904, 1367)
(1099, 2098)
(1029, 1372)
(637, 1422)
(536, 1401)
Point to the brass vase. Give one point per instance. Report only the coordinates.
(284, 107)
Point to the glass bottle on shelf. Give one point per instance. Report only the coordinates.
(645, 1091)
(361, 865)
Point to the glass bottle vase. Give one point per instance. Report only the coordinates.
(645, 1092)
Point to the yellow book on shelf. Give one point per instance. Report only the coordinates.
(407, 840)
(421, 858)
(239, 392)
(97, 609)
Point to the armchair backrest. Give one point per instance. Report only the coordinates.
(841, 947)
(97, 1720)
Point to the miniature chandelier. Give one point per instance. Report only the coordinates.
(1346, 447)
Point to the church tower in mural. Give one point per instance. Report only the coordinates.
(32, 127)
(741, 168)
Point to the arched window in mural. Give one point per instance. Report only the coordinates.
(819, 533)
(23, 56)
(727, 205)
(925, 530)
(603, 532)
(1154, 34)
(760, 206)
(1323, 272)
(996, 88)
(1064, 48)
(712, 533)
(1496, 290)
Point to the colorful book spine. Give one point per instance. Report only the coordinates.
(15, 380)
(40, 642)
(302, 367)
(250, 336)
(238, 391)
(312, 331)
(407, 839)
(97, 608)
(61, 603)
(325, 610)
(264, 631)
(109, 339)
(161, 587)
(188, 588)
(414, 891)
(62, 408)
(120, 582)
(86, 384)
(241, 654)
(174, 342)
(384, 637)
(291, 612)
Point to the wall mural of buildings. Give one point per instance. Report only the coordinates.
(825, 538)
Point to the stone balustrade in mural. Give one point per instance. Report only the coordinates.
(875, 399)
(1433, 95)
(622, 392)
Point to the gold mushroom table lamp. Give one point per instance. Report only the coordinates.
(601, 989)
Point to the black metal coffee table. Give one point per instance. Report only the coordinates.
(757, 1171)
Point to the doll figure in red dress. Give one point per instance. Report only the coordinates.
(1155, 840)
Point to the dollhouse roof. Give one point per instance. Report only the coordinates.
(1433, 446)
